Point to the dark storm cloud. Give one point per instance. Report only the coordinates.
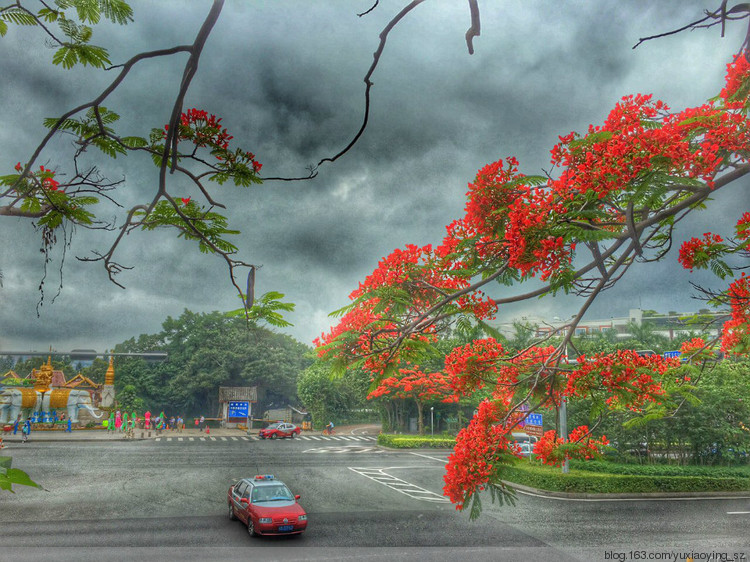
(286, 77)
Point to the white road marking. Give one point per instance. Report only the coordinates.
(429, 457)
(738, 512)
(401, 486)
(344, 449)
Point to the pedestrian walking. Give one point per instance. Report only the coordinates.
(203, 421)
(26, 431)
(70, 426)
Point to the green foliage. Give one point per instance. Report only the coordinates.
(207, 351)
(586, 482)
(415, 441)
(266, 308)
(10, 476)
(329, 397)
(74, 45)
(211, 226)
(660, 469)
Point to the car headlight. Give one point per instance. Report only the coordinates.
(302, 518)
(265, 520)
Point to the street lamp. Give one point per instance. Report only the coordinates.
(432, 427)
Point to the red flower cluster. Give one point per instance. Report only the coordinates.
(743, 227)
(698, 252)
(738, 73)
(477, 457)
(470, 365)
(205, 130)
(553, 450)
(47, 179)
(735, 336)
(692, 346)
(417, 385)
(625, 376)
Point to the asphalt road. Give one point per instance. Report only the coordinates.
(167, 500)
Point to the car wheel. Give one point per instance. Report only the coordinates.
(232, 516)
(293, 435)
(251, 527)
(274, 436)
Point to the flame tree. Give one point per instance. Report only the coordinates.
(613, 198)
(414, 384)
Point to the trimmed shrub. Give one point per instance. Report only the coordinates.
(587, 482)
(415, 441)
(661, 469)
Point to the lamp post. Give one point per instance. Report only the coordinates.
(432, 427)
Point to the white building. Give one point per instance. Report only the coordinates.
(670, 325)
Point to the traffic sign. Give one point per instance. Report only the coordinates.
(672, 354)
(534, 419)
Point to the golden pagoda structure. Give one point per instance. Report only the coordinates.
(43, 377)
(108, 390)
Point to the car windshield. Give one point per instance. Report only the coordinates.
(271, 493)
(274, 426)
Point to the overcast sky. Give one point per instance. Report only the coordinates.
(287, 79)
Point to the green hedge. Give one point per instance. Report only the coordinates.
(415, 441)
(661, 469)
(586, 482)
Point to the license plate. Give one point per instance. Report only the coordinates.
(286, 528)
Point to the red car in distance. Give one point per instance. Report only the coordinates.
(279, 429)
(266, 506)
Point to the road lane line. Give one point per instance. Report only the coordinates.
(401, 486)
(738, 512)
(429, 457)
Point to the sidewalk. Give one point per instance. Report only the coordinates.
(142, 434)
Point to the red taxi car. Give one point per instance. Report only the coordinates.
(279, 429)
(266, 506)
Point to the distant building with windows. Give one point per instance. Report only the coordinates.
(671, 325)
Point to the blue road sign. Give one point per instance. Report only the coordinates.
(238, 409)
(671, 354)
(534, 419)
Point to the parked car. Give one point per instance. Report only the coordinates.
(527, 449)
(279, 429)
(266, 506)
